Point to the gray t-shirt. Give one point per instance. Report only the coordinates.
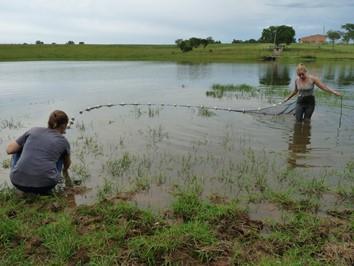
(41, 149)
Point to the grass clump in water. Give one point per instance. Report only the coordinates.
(6, 163)
(220, 90)
(117, 167)
(204, 111)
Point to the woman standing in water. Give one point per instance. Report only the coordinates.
(304, 86)
(39, 155)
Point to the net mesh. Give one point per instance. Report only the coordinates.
(276, 109)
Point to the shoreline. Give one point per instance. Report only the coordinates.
(42, 230)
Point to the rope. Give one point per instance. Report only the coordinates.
(341, 111)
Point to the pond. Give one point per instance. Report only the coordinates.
(156, 148)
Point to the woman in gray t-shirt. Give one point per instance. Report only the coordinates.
(39, 155)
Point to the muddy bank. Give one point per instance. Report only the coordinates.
(52, 230)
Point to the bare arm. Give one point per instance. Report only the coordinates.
(66, 164)
(13, 147)
(324, 87)
(292, 94)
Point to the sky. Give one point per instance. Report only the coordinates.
(164, 21)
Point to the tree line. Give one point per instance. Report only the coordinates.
(39, 42)
(347, 34)
(277, 35)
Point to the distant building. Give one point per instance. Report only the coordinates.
(317, 38)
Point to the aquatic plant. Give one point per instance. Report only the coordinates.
(152, 112)
(11, 124)
(204, 111)
(6, 163)
(117, 167)
(80, 171)
(221, 90)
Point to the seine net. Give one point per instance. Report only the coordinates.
(275, 109)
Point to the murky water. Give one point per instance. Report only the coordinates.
(161, 146)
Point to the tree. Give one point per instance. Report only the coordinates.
(236, 41)
(186, 46)
(251, 41)
(333, 36)
(70, 42)
(349, 32)
(193, 42)
(178, 42)
(278, 34)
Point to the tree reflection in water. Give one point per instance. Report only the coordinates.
(274, 74)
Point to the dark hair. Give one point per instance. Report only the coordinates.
(57, 118)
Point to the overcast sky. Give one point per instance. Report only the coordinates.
(163, 21)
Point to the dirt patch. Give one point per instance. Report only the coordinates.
(34, 248)
(87, 224)
(237, 225)
(338, 253)
(12, 214)
(252, 251)
(339, 228)
(80, 257)
(217, 199)
(344, 214)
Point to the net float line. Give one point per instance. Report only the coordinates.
(287, 107)
(275, 109)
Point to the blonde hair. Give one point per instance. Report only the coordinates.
(301, 67)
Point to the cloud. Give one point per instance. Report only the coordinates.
(160, 21)
(324, 4)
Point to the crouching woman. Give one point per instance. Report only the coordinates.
(39, 156)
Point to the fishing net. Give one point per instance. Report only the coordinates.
(275, 109)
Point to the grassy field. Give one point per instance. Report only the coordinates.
(50, 230)
(212, 53)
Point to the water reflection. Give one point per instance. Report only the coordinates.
(329, 73)
(299, 143)
(346, 75)
(274, 74)
(193, 71)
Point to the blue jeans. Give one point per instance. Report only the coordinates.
(305, 105)
(16, 157)
(35, 190)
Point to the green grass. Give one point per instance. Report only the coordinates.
(49, 231)
(212, 53)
